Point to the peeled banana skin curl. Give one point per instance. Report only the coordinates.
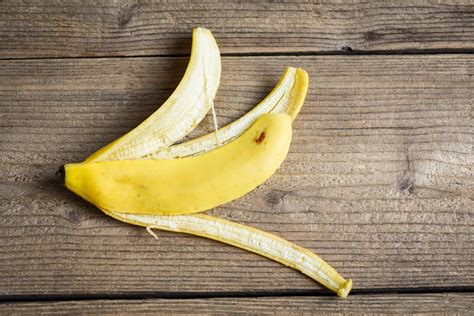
(183, 110)
(141, 179)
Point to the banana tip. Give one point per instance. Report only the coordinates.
(61, 173)
(345, 289)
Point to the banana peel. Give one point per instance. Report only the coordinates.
(186, 185)
(250, 239)
(183, 110)
(152, 140)
(287, 97)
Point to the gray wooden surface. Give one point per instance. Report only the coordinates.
(131, 27)
(421, 304)
(379, 179)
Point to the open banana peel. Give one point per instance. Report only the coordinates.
(143, 179)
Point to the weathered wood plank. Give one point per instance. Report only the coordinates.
(379, 180)
(421, 304)
(131, 27)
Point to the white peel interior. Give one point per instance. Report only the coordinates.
(183, 110)
(248, 238)
(277, 101)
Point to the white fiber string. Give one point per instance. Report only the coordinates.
(214, 117)
(148, 229)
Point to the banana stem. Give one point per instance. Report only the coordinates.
(248, 238)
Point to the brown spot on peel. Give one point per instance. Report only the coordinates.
(260, 138)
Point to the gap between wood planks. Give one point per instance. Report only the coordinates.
(345, 51)
(233, 294)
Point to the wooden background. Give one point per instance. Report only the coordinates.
(379, 180)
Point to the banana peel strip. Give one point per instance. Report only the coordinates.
(287, 97)
(248, 238)
(181, 112)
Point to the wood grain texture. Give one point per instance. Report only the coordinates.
(31, 28)
(424, 304)
(379, 179)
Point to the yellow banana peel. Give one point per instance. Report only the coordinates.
(186, 185)
(140, 176)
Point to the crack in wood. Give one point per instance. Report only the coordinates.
(229, 294)
(346, 50)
